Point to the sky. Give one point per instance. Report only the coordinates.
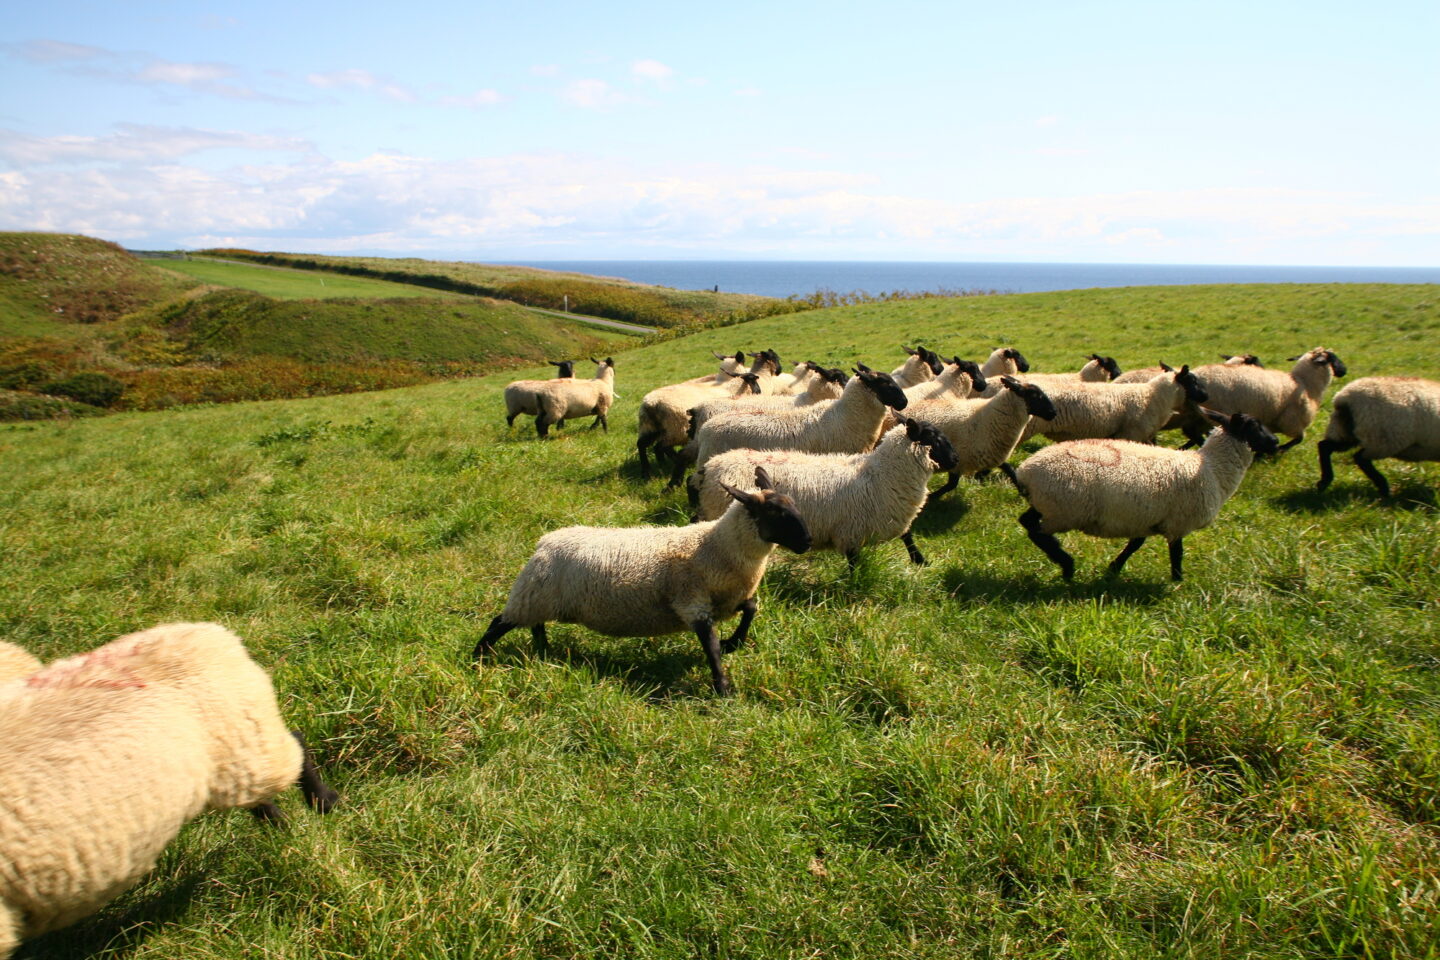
(1257, 132)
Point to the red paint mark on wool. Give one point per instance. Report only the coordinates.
(103, 668)
(1101, 452)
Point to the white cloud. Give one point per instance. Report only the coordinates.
(214, 79)
(748, 92)
(1047, 121)
(362, 80)
(592, 94)
(405, 204)
(475, 101)
(546, 70)
(651, 70)
(136, 143)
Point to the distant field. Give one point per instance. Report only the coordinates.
(969, 759)
(284, 283)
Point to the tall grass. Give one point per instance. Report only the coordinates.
(967, 759)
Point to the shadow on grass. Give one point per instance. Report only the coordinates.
(117, 933)
(940, 516)
(1309, 500)
(969, 584)
(653, 675)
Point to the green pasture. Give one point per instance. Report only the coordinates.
(283, 283)
(969, 759)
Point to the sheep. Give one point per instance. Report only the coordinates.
(558, 400)
(1122, 489)
(109, 753)
(1126, 411)
(652, 581)
(851, 424)
(1003, 361)
(920, 366)
(1189, 419)
(1385, 417)
(1284, 402)
(984, 431)
(16, 662)
(960, 380)
(1097, 369)
(824, 384)
(664, 418)
(849, 500)
(1145, 374)
(522, 396)
(731, 365)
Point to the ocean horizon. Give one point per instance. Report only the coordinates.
(799, 278)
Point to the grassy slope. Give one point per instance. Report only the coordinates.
(967, 759)
(287, 284)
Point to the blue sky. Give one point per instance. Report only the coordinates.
(1259, 132)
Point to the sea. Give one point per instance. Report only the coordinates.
(784, 278)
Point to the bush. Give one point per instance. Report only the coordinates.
(23, 376)
(94, 388)
(29, 406)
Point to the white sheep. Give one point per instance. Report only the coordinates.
(1004, 361)
(1122, 411)
(108, 754)
(1189, 419)
(921, 365)
(851, 424)
(1385, 417)
(849, 500)
(1097, 369)
(731, 365)
(16, 662)
(561, 400)
(1120, 489)
(664, 417)
(652, 581)
(984, 430)
(822, 384)
(1284, 402)
(522, 396)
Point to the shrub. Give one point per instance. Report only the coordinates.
(29, 406)
(23, 376)
(94, 388)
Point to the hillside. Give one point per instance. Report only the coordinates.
(966, 759)
(283, 283)
(155, 338)
(609, 297)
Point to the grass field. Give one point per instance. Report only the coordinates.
(283, 283)
(966, 759)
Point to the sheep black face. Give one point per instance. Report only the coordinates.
(1037, 404)
(942, 452)
(835, 375)
(1021, 363)
(1242, 359)
(772, 360)
(883, 386)
(932, 360)
(1194, 389)
(775, 516)
(1247, 428)
(972, 370)
(752, 382)
(1108, 364)
(564, 368)
(1322, 357)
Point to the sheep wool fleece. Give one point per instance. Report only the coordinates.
(109, 753)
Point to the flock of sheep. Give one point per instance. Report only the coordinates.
(810, 458)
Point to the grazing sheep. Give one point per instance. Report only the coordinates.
(1122, 411)
(1121, 489)
(849, 500)
(523, 396)
(1395, 417)
(1004, 361)
(984, 431)
(1284, 402)
(920, 366)
(664, 419)
(108, 754)
(652, 581)
(851, 424)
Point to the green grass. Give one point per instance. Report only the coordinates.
(283, 283)
(968, 759)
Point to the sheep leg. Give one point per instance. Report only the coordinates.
(319, 794)
(951, 483)
(1177, 555)
(1118, 563)
(677, 475)
(742, 630)
(560, 424)
(1367, 467)
(510, 420)
(268, 813)
(538, 640)
(542, 426)
(642, 444)
(497, 629)
(705, 631)
(1047, 542)
(1327, 473)
(916, 557)
(601, 421)
(852, 557)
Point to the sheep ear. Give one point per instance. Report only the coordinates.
(861, 368)
(593, 360)
(739, 356)
(762, 479)
(908, 350)
(1166, 367)
(740, 495)
(1185, 368)
(1292, 359)
(1219, 419)
(1226, 356)
(609, 361)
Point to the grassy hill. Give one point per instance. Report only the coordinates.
(75, 306)
(967, 759)
(610, 297)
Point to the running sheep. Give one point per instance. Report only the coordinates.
(1385, 417)
(851, 424)
(849, 500)
(1284, 402)
(1118, 489)
(1004, 361)
(1189, 419)
(1122, 411)
(664, 416)
(108, 754)
(653, 581)
(1097, 369)
(920, 366)
(985, 431)
(16, 662)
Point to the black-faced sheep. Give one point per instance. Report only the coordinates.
(1285, 402)
(1385, 417)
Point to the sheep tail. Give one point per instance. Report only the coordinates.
(690, 423)
(1345, 417)
(1009, 471)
